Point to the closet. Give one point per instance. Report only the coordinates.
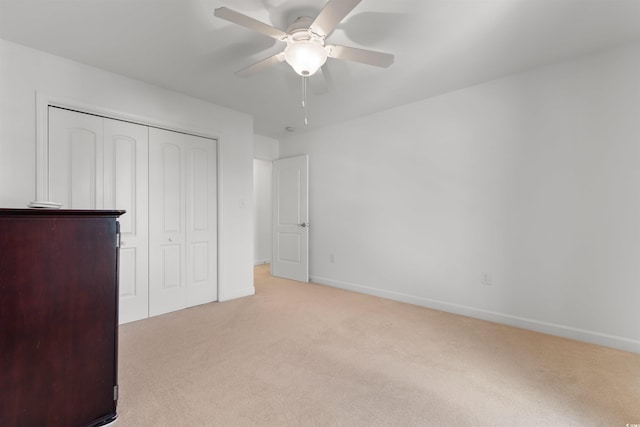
(166, 182)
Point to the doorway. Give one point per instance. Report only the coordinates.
(262, 240)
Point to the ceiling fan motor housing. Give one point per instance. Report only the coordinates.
(301, 23)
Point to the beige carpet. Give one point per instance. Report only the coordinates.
(308, 355)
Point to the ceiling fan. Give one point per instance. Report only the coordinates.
(306, 50)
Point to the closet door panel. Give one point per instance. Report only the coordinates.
(201, 221)
(172, 170)
(167, 221)
(76, 159)
(126, 188)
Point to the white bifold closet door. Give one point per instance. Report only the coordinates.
(100, 163)
(168, 188)
(182, 221)
(76, 159)
(126, 187)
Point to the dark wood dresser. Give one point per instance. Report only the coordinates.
(58, 317)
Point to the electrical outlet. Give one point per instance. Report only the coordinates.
(332, 258)
(485, 278)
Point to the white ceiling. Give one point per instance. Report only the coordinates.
(439, 46)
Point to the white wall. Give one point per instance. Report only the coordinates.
(25, 71)
(262, 240)
(534, 178)
(265, 150)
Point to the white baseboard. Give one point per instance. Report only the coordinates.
(261, 261)
(620, 343)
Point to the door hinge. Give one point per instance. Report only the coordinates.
(115, 392)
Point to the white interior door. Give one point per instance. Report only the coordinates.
(201, 221)
(167, 223)
(290, 218)
(98, 163)
(76, 158)
(182, 222)
(126, 188)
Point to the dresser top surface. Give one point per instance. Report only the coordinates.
(10, 212)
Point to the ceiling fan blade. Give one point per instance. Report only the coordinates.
(378, 59)
(331, 15)
(248, 22)
(261, 65)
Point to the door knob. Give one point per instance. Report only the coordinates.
(304, 224)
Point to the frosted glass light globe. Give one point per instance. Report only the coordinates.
(305, 56)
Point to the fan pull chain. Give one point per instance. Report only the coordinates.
(304, 99)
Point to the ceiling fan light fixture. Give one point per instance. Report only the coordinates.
(305, 56)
